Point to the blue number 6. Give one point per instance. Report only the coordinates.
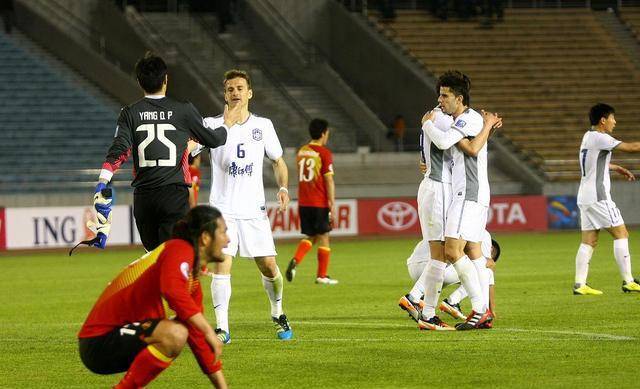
(240, 152)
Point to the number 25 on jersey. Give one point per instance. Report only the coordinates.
(156, 131)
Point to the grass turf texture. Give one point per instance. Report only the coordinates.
(352, 334)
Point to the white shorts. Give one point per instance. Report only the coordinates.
(466, 220)
(603, 214)
(252, 236)
(434, 199)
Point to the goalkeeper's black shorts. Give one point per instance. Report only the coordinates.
(157, 210)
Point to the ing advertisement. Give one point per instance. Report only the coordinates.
(22, 228)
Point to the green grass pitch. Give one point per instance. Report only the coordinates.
(352, 335)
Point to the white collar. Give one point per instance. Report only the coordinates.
(156, 97)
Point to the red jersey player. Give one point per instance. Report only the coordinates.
(316, 199)
(146, 315)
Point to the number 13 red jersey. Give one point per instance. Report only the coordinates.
(314, 162)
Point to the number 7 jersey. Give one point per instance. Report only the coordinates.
(237, 189)
(594, 157)
(314, 163)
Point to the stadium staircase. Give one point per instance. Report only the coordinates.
(290, 106)
(56, 125)
(541, 69)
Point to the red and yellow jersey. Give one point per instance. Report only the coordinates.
(158, 285)
(195, 181)
(314, 163)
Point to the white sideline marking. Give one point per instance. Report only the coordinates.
(364, 324)
(552, 332)
(585, 334)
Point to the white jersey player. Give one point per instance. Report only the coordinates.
(419, 259)
(434, 198)
(466, 217)
(237, 191)
(597, 209)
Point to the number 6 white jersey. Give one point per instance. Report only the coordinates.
(595, 155)
(237, 189)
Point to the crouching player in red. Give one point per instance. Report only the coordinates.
(148, 313)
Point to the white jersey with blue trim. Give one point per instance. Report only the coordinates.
(470, 177)
(237, 189)
(594, 157)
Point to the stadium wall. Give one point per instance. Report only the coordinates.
(350, 44)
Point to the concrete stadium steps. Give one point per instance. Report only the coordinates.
(631, 17)
(538, 69)
(313, 99)
(271, 90)
(195, 41)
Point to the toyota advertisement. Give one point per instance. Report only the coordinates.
(400, 216)
(22, 228)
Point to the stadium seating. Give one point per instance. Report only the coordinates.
(56, 126)
(541, 69)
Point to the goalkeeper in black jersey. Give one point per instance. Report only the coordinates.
(155, 130)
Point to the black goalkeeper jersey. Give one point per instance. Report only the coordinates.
(156, 132)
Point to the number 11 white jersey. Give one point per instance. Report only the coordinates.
(237, 189)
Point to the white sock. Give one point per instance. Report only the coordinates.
(221, 293)
(457, 295)
(623, 258)
(432, 278)
(582, 263)
(417, 291)
(483, 278)
(273, 287)
(469, 279)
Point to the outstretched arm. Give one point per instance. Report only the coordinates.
(629, 147)
(282, 179)
(622, 171)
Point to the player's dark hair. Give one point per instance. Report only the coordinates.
(198, 220)
(600, 111)
(150, 72)
(317, 127)
(459, 84)
(496, 246)
(235, 73)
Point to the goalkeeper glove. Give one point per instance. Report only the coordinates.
(102, 202)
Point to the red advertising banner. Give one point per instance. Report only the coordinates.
(391, 216)
(3, 234)
(399, 216)
(287, 224)
(517, 213)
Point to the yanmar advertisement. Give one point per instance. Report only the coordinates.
(22, 228)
